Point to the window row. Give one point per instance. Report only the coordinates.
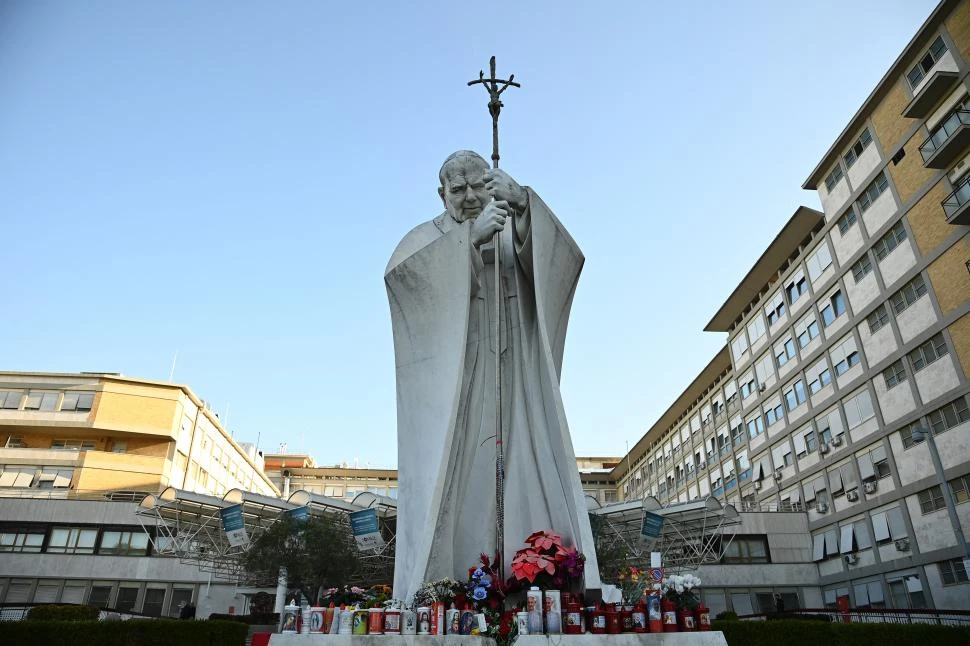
(46, 401)
(75, 540)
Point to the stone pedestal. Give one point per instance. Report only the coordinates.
(707, 638)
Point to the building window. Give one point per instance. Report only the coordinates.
(846, 221)
(100, 595)
(862, 267)
(845, 355)
(72, 540)
(873, 191)
(796, 287)
(127, 598)
(77, 401)
(949, 415)
(819, 261)
(73, 445)
(888, 525)
(928, 352)
(869, 595)
(874, 465)
(755, 427)
(124, 543)
(806, 330)
(857, 148)
(894, 374)
(953, 571)
(747, 387)
(833, 309)
(737, 435)
(10, 399)
(960, 488)
(739, 346)
(775, 310)
(795, 396)
(785, 352)
(833, 178)
(908, 294)
(890, 241)
(154, 602)
(774, 414)
(931, 499)
(925, 64)
(756, 328)
(747, 549)
(878, 318)
(21, 540)
(858, 409)
(41, 401)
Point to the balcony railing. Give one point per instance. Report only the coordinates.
(949, 138)
(955, 204)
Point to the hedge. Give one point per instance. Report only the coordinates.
(255, 619)
(63, 613)
(134, 632)
(813, 633)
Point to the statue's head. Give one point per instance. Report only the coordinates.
(462, 185)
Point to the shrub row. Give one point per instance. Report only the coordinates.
(813, 633)
(255, 619)
(135, 632)
(63, 613)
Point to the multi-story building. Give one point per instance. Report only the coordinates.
(65, 434)
(850, 335)
(79, 451)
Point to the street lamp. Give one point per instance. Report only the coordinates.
(919, 434)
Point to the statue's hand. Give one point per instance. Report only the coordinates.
(490, 220)
(502, 187)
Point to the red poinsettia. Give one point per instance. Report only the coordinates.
(547, 559)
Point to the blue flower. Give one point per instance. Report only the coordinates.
(486, 581)
(478, 573)
(479, 593)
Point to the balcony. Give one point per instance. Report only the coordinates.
(948, 140)
(955, 205)
(932, 91)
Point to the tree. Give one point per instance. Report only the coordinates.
(317, 552)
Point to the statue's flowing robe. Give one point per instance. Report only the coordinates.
(441, 292)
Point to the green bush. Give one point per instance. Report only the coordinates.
(135, 632)
(255, 619)
(812, 633)
(727, 615)
(63, 613)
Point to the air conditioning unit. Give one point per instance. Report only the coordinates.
(851, 559)
(757, 484)
(702, 465)
(870, 487)
(779, 475)
(823, 448)
(852, 496)
(902, 545)
(761, 388)
(822, 508)
(837, 440)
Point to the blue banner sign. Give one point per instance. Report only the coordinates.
(366, 531)
(234, 525)
(653, 524)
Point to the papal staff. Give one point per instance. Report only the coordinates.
(495, 87)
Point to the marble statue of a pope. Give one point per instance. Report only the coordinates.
(440, 284)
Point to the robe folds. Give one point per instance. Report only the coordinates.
(441, 293)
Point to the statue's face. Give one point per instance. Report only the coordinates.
(464, 191)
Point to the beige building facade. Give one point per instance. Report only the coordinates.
(851, 331)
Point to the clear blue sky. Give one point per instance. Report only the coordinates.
(227, 180)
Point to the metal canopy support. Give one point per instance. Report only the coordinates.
(694, 533)
(188, 526)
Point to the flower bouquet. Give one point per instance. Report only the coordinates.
(349, 595)
(681, 590)
(546, 562)
(484, 587)
(632, 582)
(441, 591)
